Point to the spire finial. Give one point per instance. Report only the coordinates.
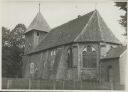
(39, 6)
(95, 5)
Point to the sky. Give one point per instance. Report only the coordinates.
(58, 12)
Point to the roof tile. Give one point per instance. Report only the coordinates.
(39, 23)
(89, 27)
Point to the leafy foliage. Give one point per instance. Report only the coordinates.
(15, 37)
(12, 49)
(123, 20)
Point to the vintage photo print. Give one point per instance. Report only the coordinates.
(63, 45)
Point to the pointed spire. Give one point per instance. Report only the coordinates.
(39, 6)
(39, 23)
(95, 5)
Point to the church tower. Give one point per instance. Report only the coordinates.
(36, 31)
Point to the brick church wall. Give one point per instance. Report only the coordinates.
(29, 42)
(52, 63)
(88, 72)
(105, 64)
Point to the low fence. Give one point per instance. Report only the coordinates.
(8, 83)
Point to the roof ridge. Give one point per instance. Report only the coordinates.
(100, 19)
(99, 25)
(84, 29)
(72, 20)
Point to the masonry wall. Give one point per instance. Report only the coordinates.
(122, 66)
(38, 37)
(105, 64)
(29, 41)
(87, 73)
(33, 38)
(52, 63)
(25, 70)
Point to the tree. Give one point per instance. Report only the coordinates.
(17, 37)
(5, 36)
(123, 20)
(13, 43)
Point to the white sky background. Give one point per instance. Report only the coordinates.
(57, 12)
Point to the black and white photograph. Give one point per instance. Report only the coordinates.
(63, 45)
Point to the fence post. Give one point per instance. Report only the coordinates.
(54, 84)
(112, 86)
(74, 84)
(63, 84)
(81, 84)
(29, 83)
(8, 84)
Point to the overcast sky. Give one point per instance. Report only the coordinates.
(59, 12)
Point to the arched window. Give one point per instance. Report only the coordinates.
(89, 57)
(84, 61)
(69, 59)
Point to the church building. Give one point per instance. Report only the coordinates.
(76, 50)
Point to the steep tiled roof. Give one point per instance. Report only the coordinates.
(89, 27)
(97, 30)
(65, 33)
(115, 52)
(39, 23)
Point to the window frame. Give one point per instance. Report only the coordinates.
(86, 51)
(69, 57)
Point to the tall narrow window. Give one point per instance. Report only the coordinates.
(75, 56)
(53, 53)
(69, 59)
(85, 62)
(36, 38)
